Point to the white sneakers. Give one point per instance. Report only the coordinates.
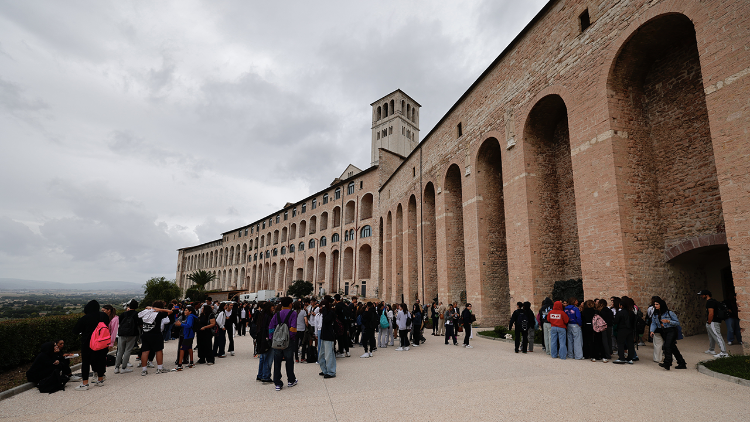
(126, 370)
(347, 354)
(74, 378)
(231, 353)
(406, 349)
(370, 354)
(709, 352)
(366, 355)
(721, 355)
(400, 349)
(82, 387)
(469, 346)
(117, 370)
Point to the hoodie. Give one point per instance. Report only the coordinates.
(574, 315)
(557, 317)
(88, 323)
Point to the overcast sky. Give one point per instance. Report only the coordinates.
(132, 129)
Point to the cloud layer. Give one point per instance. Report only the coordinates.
(131, 129)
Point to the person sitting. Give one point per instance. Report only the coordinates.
(64, 359)
(45, 371)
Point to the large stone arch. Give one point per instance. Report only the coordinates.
(455, 263)
(429, 245)
(411, 287)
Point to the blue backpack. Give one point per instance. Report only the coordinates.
(384, 320)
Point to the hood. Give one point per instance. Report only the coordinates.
(48, 348)
(91, 308)
(558, 306)
(546, 302)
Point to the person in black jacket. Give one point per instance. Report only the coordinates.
(90, 359)
(601, 340)
(625, 321)
(369, 322)
(205, 335)
(467, 317)
(343, 315)
(46, 370)
(522, 319)
(327, 355)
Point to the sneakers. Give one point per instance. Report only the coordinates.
(82, 387)
(130, 365)
(75, 378)
(605, 360)
(326, 376)
(150, 364)
(630, 362)
(641, 343)
(709, 352)
(339, 355)
(400, 349)
(721, 355)
(179, 368)
(469, 346)
(99, 383)
(729, 343)
(406, 349)
(348, 355)
(292, 384)
(278, 388)
(117, 370)
(161, 371)
(210, 363)
(144, 373)
(192, 365)
(366, 355)
(370, 354)
(231, 353)
(619, 362)
(683, 366)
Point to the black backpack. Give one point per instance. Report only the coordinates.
(523, 321)
(721, 312)
(128, 324)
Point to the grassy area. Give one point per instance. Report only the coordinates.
(490, 333)
(736, 366)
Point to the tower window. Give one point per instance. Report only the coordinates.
(585, 20)
(413, 172)
(378, 115)
(378, 135)
(460, 130)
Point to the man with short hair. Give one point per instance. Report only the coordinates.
(127, 334)
(289, 317)
(441, 319)
(188, 334)
(714, 317)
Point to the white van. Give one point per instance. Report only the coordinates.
(248, 297)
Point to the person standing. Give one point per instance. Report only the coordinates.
(520, 320)
(625, 321)
(734, 334)
(220, 338)
(587, 329)
(287, 316)
(152, 339)
(344, 317)
(263, 343)
(416, 315)
(575, 340)
(369, 323)
(435, 318)
(207, 322)
(558, 337)
(327, 355)
(451, 325)
(601, 339)
(667, 322)
(467, 316)
(655, 335)
(441, 319)
(714, 317)
(127, 334)
(402, 318)
(546, 326)
(91, 359)
(231, 321)
(188, 334)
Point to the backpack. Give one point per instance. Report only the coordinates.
(523, 322)
(408, 319)
(384, 320)
(100, 338)
(281, 337)
(128, 325)
(598, 324)
(640, 324)
(722, 312)
(545, 311)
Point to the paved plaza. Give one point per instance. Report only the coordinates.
(429, 383)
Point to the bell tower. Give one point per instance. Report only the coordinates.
(395, 124)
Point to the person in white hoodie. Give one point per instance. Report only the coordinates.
(220, 337)
(403, 327)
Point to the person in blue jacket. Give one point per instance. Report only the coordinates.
(575, 339)
(665, 322)
(188, 334)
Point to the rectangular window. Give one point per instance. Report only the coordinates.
(360, 184)
(378, 135)
(278, 218)
(338, 193)
(245, 232)
(264, 224)
(270, 222)
(286, 215)
(294, 212)
(239, 234)
(390, 130)
(346, 289)
(585, 20)
(304, 208)
(314, 204)
(459, 130)
(325, 199)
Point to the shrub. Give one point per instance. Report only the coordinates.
(22, 338)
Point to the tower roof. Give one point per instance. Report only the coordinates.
(397, 90)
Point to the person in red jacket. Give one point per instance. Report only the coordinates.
(558, 335)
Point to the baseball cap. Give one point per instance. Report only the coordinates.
(705, 292)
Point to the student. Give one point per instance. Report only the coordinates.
(369, 322)
(558, 337)
(714, 317)
(220, 337)
(127, 334)
(230, 313)
(326, 355)
(287, 316)
(435, 318)
(263, 345)
(64, 359)
(467, 317)
(416, 317)
(384, 325)
(666, 321)
(46, 372)
(587, 329)
(625, 321)
(451, 325)
(656, 336)
(152, 339)
(344, 316)
(90, 359)
(207, 322)
(575, 340)
(114, 323)
(546, 326)
(403, 328)
(188, 334)
(302, 326)
(601, 340)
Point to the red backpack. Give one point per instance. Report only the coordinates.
(101, 337)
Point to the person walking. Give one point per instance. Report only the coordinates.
(714, 316)
(666, 321)
(451, 325)
(558, 336)
(127, 334)
(287, 316)
(467, 318)
(655, 336)
(263, 343)
(91, 359)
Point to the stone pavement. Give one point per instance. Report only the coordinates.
(428, 383)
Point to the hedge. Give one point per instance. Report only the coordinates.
(22, 338)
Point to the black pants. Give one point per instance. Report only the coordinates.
(522, 338)
(449, 333)
(368, 338)
(205, 350)
(600, 345)
(625, 341)
(467, 333)
(95, 360)
(243, 327)
(587, 332)
(404, 336)
(286, 356)
(343, 342)
(230, 336)
(434, 325)
(670, 347)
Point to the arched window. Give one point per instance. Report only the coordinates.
(275, 252)
(283, 250)
(378, 114)
(393, 108)
(408, 110)
(351, 234)
(268, 254)
(291, 248)
(301, 246)
(350, 188)
(312, 243)
(346, 235)
(365, 232)
(323, 241)
(413, 114)
(255, 257)
(385, 110)
(335, 238)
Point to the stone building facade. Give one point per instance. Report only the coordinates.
(607, 142)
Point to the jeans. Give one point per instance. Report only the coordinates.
(575, 342)
(384, 337)
(558, 338)
(317, 335)
(125, 345)
(404, 336)
(714, 336)
(734, 335)
(264, 365)
(658, 344)
(278, 355)
(327, 357)
(168, 331)
(547, 328)
(220, 340)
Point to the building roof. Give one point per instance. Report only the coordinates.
(397, 90)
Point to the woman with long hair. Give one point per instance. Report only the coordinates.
(114, 323)
(207, 321)
(327, 354)
(587, 329)
(601, 341)
(220, 338)
(625, 321)
(264, 350)
(403, 327)
(666, 321)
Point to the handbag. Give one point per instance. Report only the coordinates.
(442, 316)
(460, 328)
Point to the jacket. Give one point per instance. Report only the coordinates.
(656, 321)
(188, 327)
(467, 317)
(574, 315)
(557, 317)
(401, 320)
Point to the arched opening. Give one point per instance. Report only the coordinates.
(349, 213)
(242, 279)
(289, 272)
(283, 235)
(454, 235)
(313, 224)
(267, 277)
(554, 231)
(365, 262)
(321, 268)
(348, 266)
(408, 110)
(282, 276)
(336, 216)
(398, 250)
(231, 253)
(671, 190)
(309, 272)
(379, 113)
(293, 231)
(412, 288)
(300, 275)
(262, 241)
(334, 280)
(302, 228)
(244, 253)
(236, 280)
(275, 237)
(493, 250)
(385, 110)
(254, 279)
(365, 207)
(273, 282)
(429, 247)
(388, 253)
(324, 221)
(393, 109)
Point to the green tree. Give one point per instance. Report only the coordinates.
(300, 289)
(159, 288)
(201, 278)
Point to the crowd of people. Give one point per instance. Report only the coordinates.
(287, 331)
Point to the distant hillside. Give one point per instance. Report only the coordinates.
(20, 284)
